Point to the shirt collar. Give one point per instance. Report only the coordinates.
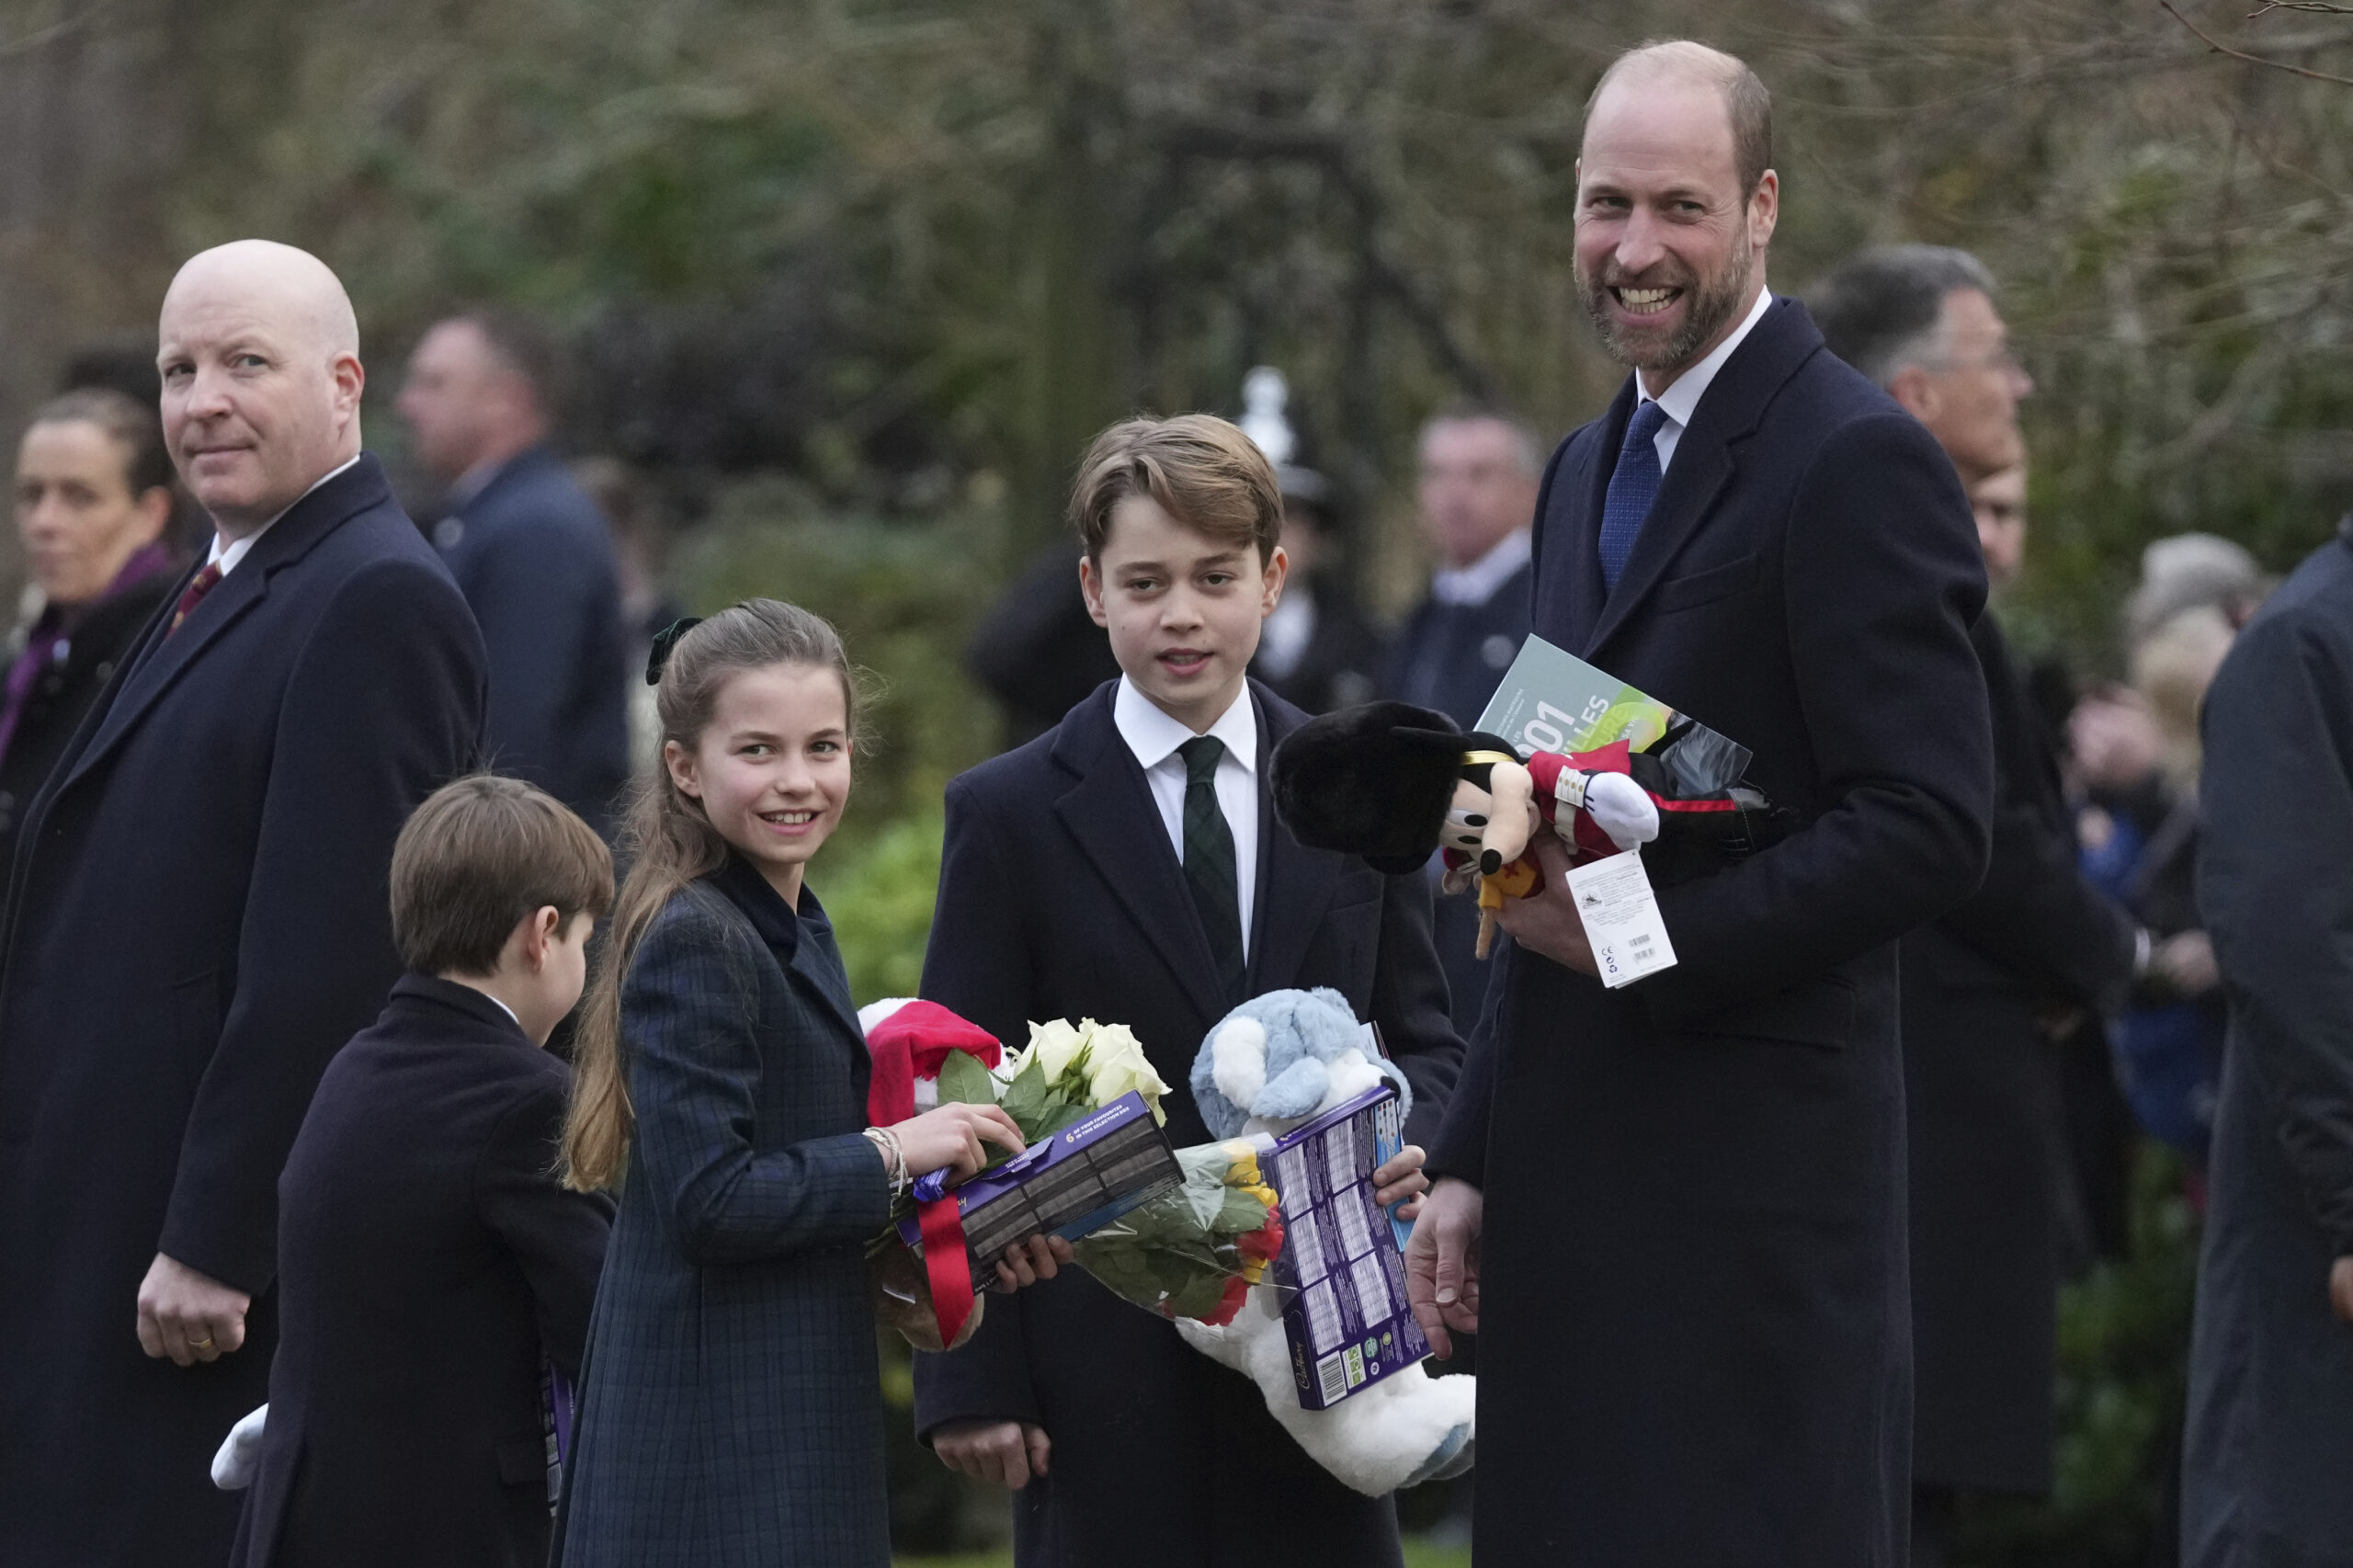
(226, 556)
(1154, 736)
(1680, 401)
(1477, 583)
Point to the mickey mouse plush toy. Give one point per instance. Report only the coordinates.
(1393, 783)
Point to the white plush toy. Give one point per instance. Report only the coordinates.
(1268, 1066)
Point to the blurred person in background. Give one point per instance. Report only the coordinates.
(94, 504)
(1318, 650)
(129, 368)
(1475, 486)
(2267, 1471)
(2138, 753)
(531, 554)
(1036, 650)
(641, 543)
(1982, 986)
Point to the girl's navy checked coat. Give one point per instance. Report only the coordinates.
(731, 1406)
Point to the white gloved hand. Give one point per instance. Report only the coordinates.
(232, 1467)
(1621, 808)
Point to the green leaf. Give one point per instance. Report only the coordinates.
(963, 1081)
(1025, 1097)
(1059, 1114)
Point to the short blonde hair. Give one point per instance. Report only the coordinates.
(1201, 469)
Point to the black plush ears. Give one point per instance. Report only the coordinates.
(1374, 781)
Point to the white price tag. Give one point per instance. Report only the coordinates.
(1621, 919)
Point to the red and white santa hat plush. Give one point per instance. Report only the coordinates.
(909, 1039)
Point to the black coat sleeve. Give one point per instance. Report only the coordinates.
(2035, 914)
(383, 705)
(1883, 579)
(556, 1235)
(978, 964)
(1409, 1004)
(2275, 884)
(1460, 1147)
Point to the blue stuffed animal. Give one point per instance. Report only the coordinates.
(1280, 1058)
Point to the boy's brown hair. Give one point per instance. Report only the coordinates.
(1201, 469)
(478, 856)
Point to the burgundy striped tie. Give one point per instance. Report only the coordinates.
(196, 590)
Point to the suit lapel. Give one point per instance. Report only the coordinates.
(164, 655)
(1728, 412)
(1111, 813)
(1294, 883)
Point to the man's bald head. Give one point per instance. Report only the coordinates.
(1749, 108)
(259, 352)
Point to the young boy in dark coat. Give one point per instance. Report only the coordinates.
(1128, 866)
(429, 1262)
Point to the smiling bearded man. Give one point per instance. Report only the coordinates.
(200, 918)
(1673, 1213)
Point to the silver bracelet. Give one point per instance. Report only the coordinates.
(894, 1159)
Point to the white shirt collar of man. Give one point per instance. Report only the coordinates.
(1477, 583)
(226, 555)
(1154, 736)
(1681, 398)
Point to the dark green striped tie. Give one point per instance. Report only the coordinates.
(1209, 860)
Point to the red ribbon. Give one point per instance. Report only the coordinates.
(913, 1041)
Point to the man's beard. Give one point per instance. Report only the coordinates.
(1711, 303)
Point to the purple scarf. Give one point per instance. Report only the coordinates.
(46, 644)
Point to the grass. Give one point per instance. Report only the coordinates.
(1417, 1555)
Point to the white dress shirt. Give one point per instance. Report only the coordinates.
(226, 555)
(1680, 401)
(1477, 583)
(1154, 736)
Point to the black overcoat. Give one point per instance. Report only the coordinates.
(1981, 1090)
(534, 560)
(1062, 897)
(200, 922)
(1694, 1342)
(2270, 1440)
(428, 1263)
(62, 694)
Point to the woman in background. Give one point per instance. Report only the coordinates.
(93, 499)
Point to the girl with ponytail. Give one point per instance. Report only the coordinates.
(731, 1408)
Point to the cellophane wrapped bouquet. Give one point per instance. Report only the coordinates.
(1192, 1252)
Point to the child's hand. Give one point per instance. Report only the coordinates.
(1026, 1263)
(950, 1139)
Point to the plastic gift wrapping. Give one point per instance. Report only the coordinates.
(1193, 1251)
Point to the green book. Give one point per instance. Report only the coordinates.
(1552, 700)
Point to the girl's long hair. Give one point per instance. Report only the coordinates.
(668, 842)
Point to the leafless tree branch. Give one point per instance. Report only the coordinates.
(2252, 59)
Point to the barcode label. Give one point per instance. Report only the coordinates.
(1331, 1379)
(1322, 1317)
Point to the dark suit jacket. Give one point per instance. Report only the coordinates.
(65, 692)
(2270, 1433)
(534, 560)
(730, 1413)
(1694, 1339)
(430, 1263)
(1981, 1090)
(1061, 896)
(199, 921)
(1451, 657)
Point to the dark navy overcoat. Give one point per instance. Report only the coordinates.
(201, 921)
(1693, 1340)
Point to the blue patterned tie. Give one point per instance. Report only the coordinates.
(1634, 485)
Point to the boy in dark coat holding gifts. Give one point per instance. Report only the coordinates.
(430, 1264)
(1128, 866)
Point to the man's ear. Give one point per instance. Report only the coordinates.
(1915, 390)
(684, 773)
(1090, 588)
(1764, 208)
(1277, 573)
(350, 379)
